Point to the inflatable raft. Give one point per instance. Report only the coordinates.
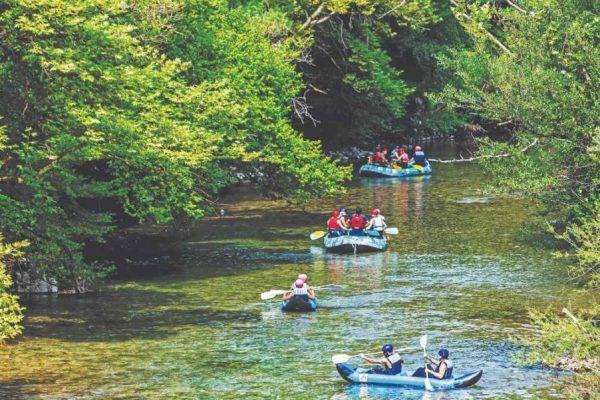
(379, 171)
(299, 304)
(355, 244)
(359, 375)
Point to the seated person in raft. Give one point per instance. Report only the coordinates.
(443, 366)
(358, 222)
(380, 157)
(390, 363)
(402, 159)
(336, 226)
(419, 157)
(377, 223)
(301, 290)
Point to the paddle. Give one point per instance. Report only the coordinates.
(342, 358)
(317, 235)
(278, 292)
(427, 381)
(391, 231)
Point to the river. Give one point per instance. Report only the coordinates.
(193, 327)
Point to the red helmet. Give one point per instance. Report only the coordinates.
(375, 211)
(299, 283)
(304, 277)
(418, 148)
(402, 149)
(335, 213)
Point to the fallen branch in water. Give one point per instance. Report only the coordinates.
(462, 159)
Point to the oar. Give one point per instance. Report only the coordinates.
(317, 235)
(342, 358)
(427, 381)
(391, 231)
(278, 292)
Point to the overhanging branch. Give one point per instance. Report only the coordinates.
(484, 157)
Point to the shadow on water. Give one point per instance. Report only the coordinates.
(155, 317)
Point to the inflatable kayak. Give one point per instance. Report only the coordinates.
(355, 244)
(379, 171)
(359, 375)
(299, 304)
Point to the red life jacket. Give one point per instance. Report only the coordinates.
(332, 223)
(357, 222)
(378, 157)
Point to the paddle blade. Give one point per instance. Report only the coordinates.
(417, 167)
(423, 341)
(391, 231)
(428, 386)
(340, 358)
(317, 235)
(271, 294)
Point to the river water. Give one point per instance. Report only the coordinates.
(193, 326)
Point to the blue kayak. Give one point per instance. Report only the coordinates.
(299, 304)
(359, 375)
(379, 171)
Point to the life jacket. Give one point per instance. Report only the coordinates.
(419, 157)
(357, 222)
(449, 368)
(301, 292)
(333, 224)
(404, 157)
(378, 223)
(396, 362)
(377, 157)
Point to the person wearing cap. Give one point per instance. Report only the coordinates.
(403, 158)
(419, 157)
(300, 289)
(377, 222)
(443, 366)
(333, 224)
(390, 363)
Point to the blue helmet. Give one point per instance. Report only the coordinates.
(444, 353)
(387, 349)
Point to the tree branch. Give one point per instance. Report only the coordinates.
(461, 159)
(490, 35)
(519, 8)
(392, 10)
(314, 15)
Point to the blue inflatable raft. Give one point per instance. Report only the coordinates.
(299, 304)
(355, 244)
(359, 375)
(375, 170)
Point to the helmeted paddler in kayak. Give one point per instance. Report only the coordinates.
(390, 363)
(301, 290)
(443, 367)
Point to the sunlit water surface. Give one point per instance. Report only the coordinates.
(193, 326)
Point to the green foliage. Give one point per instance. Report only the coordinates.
(562, 342)
(11, 313)
(535, 71)
(375, 77)
(110, 109)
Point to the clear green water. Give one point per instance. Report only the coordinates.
(456, 272)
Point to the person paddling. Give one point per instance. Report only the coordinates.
(301, 290)
(358, 223)
(333, 224)
(377, 222)
(390, 363)
(419, 157)
(443, 366)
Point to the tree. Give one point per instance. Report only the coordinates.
(11, 313)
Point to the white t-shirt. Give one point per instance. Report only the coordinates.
(378, 222)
